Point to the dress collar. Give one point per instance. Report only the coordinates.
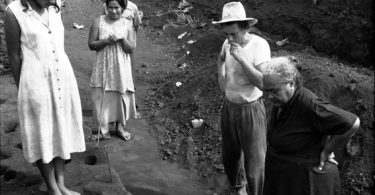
(297, 92)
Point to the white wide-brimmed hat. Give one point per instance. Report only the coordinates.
(234, 11)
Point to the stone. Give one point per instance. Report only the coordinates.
(190, 139)
(352, 87)
(30, 180)
(352, 149)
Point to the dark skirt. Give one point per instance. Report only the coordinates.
(293, 177)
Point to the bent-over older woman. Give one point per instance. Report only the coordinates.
(304, 132)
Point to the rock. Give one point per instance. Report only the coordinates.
(5, 153)
(190, 139)
(3, 169)
(352, 87)
(10, 174)
(30, 180)
(160, 104)
(352, 149)
(354, 80)
(102, 188)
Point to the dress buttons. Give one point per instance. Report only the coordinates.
(56, 60)
(49, 32)
(58, 79)
(59, 89)
(53, 51)
(57, 69)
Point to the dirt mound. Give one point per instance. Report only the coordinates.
(199, 149)
(341, 28)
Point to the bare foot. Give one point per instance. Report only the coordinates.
(122, 133)
(54, 192)
(66, 191)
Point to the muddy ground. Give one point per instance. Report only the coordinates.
(167, 110)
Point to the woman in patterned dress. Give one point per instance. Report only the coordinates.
(49, 106)
(113, 99)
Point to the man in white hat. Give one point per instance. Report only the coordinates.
(243, 117)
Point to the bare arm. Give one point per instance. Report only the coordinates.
(337, 140)
(94, 42)
(127, 43)
(12, 38)
(254, 75)
(221, 72)
(137, 20)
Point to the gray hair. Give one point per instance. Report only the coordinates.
(283, 69)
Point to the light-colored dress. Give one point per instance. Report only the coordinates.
(113, 70)
(49, 105)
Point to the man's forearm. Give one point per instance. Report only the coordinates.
(253, 74)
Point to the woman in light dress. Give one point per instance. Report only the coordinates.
(49, 105)
(113, 99)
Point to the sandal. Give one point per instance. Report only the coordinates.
(125, 135)
(101, 137)
(122, 133)
(138, 115)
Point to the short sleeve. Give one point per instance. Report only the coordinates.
(331, 120)
(263, 53)
(58, 3)
(137, 19)
(223, 50)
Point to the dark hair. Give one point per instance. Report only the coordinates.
(242, 24)
(123, 3)
(24, 3)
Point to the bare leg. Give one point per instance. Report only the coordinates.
(47, 171)
(59, 173)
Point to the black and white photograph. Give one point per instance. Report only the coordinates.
(187, 97)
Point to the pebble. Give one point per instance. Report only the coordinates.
(161, 104)
(190, 139)
(354, 80)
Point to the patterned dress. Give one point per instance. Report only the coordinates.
(112, 71)
(49, 105)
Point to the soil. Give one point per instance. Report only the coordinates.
(167, 155)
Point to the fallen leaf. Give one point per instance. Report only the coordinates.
(181, 35)
(178, 84)
(191, 41)
(283, 42)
